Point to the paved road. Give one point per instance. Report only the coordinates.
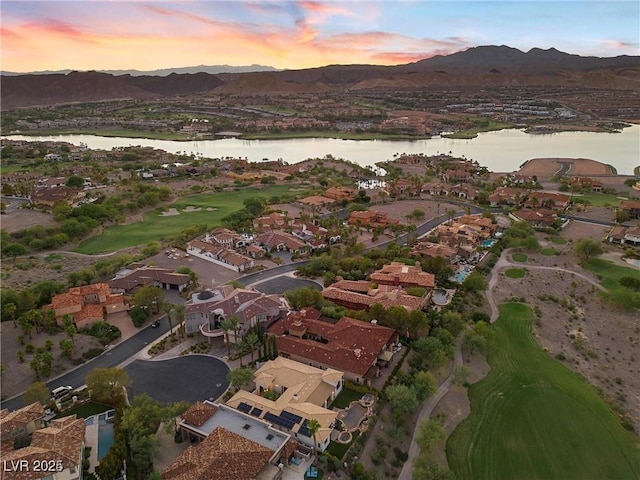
(130, 347)
(112, 357)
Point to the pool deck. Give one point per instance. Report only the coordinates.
(91, 440)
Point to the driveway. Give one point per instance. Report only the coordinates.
(184, 379)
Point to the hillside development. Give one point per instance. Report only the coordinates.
(531, 417)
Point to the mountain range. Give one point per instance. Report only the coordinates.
(475, 67)
(163, 72)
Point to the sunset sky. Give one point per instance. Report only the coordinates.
(147, 35)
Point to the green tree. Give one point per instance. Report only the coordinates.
(9, 309)
(587, 248)
(67, 347)
(227, 325)
(252, 341)
(26, 324)
(149, 296)
(239, 376)
(475, 282)
(69, 327)
(460, 375)
(403, 400)
(429, 433)
(75, 181)
(107, 384)
(37, 392)
(424, 384)
(13, 250)
(181, 310)
(314, 426)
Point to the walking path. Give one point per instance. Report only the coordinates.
(427, 409)
(503, 263)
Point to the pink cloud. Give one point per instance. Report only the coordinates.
(57, 28)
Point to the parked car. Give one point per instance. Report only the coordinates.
(58, 393)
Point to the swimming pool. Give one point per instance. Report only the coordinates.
(103, 423)
(489, 243)
(105, 439)
(461, 275)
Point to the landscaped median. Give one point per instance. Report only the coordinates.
(531, 417)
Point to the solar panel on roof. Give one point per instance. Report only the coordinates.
(244, 408)
(291, 416)
(303, 430)
(256, 412)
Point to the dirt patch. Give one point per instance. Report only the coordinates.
(398, 210)
(19, 375)
(548, 167)
(22, 218)
(27, 271)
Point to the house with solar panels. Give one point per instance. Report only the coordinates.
(301, 393)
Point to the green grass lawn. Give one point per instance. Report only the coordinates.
(515, 273)
(599, 199)
(558, 240)
(157, 227)
(609, 274)
(4, 169)
(339, 449)
(532, 418)
(548, 251)
(519, 257)
(345, 397)
(86, 410)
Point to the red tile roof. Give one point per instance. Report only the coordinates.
(352, 345)
(223, 455)
(198, 413)
(399, 273)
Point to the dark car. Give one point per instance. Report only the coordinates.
(155, 324)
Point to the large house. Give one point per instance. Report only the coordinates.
(557, 201)
(62, 443)
(538, 218)
(219, 255)
(431, 250)
(87, 304)
(371, 219)
(273, 221)
(277, 241)
(229, 445)
(624, 235)
(18, 425)
(305, 393)
(631, 208)
(138, 275)
(398, 274)
(206, 311)
(352, 346)
(362, 294)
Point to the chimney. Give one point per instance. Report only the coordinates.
(396, 280)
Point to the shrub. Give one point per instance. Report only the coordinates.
(103, 331)
(92, 353)
(29, 348)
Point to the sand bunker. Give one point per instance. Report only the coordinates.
(191, 208)
(170, 213)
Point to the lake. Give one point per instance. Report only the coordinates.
(500, 151)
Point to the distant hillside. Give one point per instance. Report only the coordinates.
(212, 69)
(479, 66)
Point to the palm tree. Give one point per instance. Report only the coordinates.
(168, 309)
(180, 310)
(235, 322)
(313, 425)
(226, 325)
(252, 340)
